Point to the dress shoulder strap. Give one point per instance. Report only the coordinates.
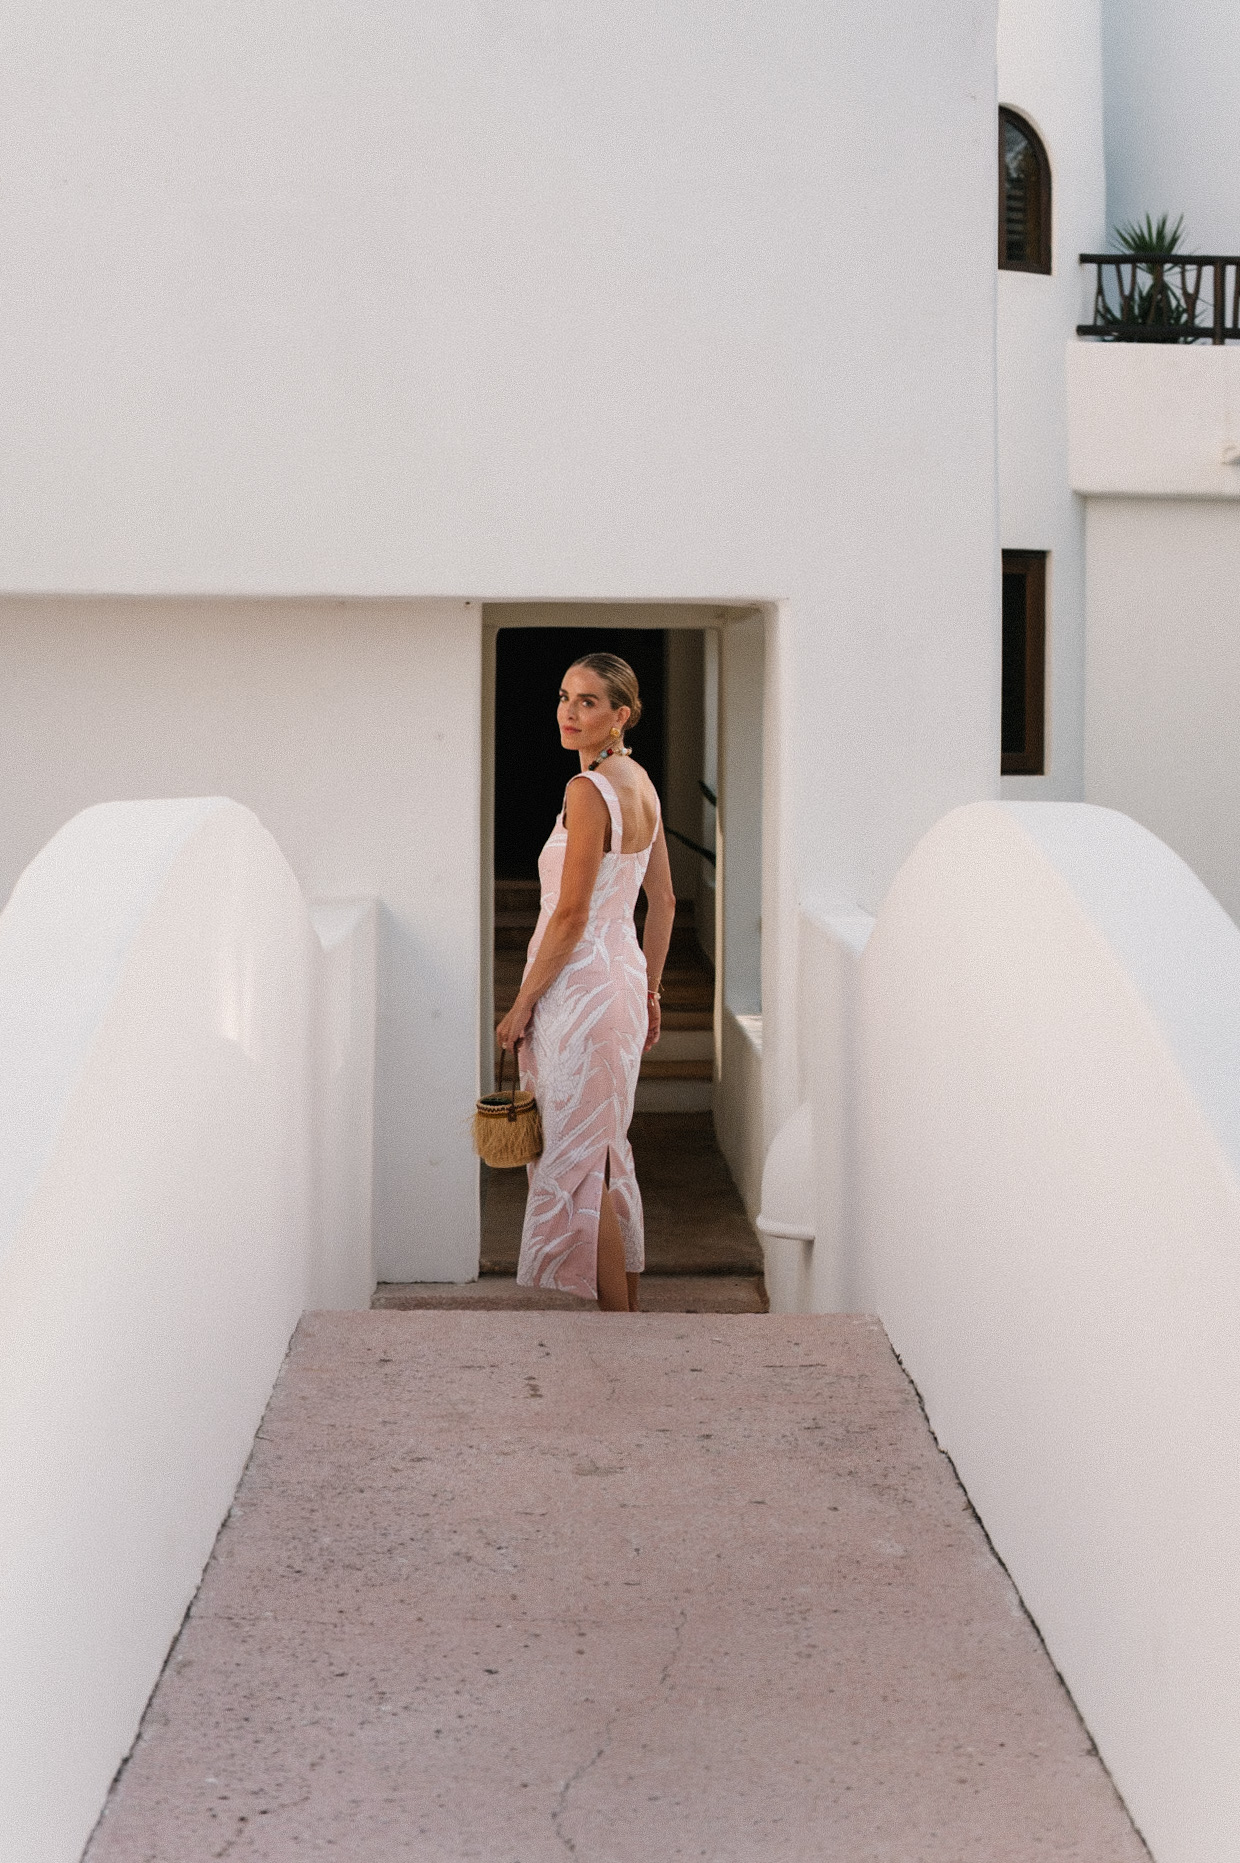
(613, 806)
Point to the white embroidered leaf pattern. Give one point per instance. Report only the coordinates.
(580, 1058)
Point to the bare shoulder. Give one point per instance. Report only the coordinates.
(583, 798)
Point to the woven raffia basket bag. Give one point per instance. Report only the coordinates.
(507, 1127)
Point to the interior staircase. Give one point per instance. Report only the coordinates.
(676, 1075)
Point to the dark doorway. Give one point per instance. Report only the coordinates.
(702, 1253)
(531, 769)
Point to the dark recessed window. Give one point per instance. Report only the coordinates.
(1024, 197)
(1024, 662)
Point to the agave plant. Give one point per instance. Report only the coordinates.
(1150, 235)
(1154, 311)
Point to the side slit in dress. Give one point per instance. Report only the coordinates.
(580, 1057)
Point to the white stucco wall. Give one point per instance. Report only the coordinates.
(1048, 1132)
(744, 892)
(739, 1102)
(1049, 62)
(1154, 420)
(515, 301)
(1172, 80)
(1164, 675)
(175, 1045)
(520, 300)
(682, 801)
(352, 731)
(1153, 429)
(342, 1273)
(740, 816)
(831, 946)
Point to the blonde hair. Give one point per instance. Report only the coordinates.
(619, 679)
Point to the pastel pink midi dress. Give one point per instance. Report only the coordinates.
(580, 1057)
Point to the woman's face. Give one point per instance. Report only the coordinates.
(586, 715)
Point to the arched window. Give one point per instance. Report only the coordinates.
(1024, 197)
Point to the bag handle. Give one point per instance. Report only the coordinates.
(503, 1056)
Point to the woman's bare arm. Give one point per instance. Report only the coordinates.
(660, 917)
(585, 820)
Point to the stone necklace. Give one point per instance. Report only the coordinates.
(618, 750)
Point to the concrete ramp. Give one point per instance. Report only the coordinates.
(535, 1586)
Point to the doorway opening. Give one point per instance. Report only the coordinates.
(701, 1250)
(531, 769)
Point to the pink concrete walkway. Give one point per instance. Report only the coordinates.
(534, 1586)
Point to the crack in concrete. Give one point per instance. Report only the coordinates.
(230, 1843)
(588, 1765)
(575, 1778)
(670, 1664)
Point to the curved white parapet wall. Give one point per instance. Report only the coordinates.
(165, 1031)
(1049, 1188)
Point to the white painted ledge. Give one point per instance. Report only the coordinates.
(342, 1270)
(1153, 420)
(785, 1222)
(751, 1028)
(738, 1104)
(831, 944)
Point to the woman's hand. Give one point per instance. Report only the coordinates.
(653, 1023)
(513, 1027)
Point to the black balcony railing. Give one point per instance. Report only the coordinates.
(1164, 297)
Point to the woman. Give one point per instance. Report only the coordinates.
(597, 997)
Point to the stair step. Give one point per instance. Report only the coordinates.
(686, 1045)
(656, 1068)
(660, 1293)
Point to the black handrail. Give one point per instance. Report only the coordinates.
(695, 845)
(1158, 296)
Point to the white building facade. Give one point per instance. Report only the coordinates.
(339, 339)
(1050, 73)
(1155, 456)
(320, 371)
(312, 357)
